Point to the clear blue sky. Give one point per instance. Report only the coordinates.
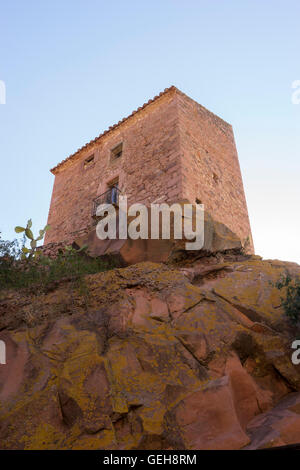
(73, 68)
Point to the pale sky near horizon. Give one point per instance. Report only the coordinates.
(73, 68)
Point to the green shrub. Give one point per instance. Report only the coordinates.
(10, 251)
(291, 301)
(41, 272)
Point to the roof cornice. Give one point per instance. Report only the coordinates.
(76, 155)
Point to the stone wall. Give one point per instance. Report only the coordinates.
(210, 166)
(148, 170)
(51, 250)
(173, 149)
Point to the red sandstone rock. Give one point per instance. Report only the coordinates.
(278, 427)
(217, 238)
(208, 420)
(151, 361)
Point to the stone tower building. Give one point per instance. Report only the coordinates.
(170, 149)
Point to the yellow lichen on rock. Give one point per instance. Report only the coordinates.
(155, 357)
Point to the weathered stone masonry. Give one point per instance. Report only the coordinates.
(173, 149)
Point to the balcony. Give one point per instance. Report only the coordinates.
(109, 197)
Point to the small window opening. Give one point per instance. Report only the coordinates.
(88, 162)
(215, 178)
(116, 152)
(112, 183)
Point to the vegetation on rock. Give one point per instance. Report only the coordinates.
(156, 357)
(21, 267)
(291, 300)
(33, 251)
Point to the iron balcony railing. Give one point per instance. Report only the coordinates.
(109, 197)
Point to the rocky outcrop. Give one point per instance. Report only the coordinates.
(152, 356)
(217, 238)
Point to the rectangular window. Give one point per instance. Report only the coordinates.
(88, 162)
(116, 152)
